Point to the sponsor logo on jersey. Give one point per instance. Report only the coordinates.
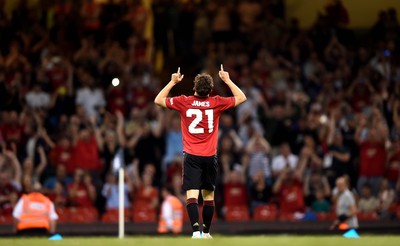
(201, 104)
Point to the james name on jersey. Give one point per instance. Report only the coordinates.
(201, 104)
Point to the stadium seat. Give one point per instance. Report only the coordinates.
(265, 213)
(286, 216)
(112, 216)
(144, 214)
(367, 216)
(237, 213)
(83, 215)
(6, 219)
(323, 216)
(63, 215)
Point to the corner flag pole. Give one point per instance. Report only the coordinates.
(121, 219)
(118, 165)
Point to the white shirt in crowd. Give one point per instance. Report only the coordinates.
(279, 162)
(38, 99)
(110, 192)
(90, 99)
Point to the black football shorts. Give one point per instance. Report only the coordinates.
(199, 172)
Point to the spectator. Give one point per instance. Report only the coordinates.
(289, 188)
(248, 11)
(372, 158)
(339, 156)
(85, 153)
(177, 188)
(173, 139)
(258, 149)
(89, 96)
(174, 169)
(36, 170)
(320, 204)
(57, 72)
(58, 195)
(90, 13)
(235, 192)
(11, 129)
(60, 177)
(9, 163)
(230, 148)
(61, 154)
(315, 182)
(386, 198)
(110, 192)
(145, 194)
(81, 192)
(260, 193)
(37, 98)
(8, 193)
(310, 155)
(27, 181)
(286, 159)
(367, 202)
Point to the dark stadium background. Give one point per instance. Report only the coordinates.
(313, 72)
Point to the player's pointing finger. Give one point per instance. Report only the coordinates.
(179, 69)
(222, 67)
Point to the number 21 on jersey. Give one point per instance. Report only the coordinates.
(209, 113)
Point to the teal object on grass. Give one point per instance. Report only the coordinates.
(56, 237)
(351, 234)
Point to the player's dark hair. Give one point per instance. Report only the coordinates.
(203, 84)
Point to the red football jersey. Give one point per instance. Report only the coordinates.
(199, 121)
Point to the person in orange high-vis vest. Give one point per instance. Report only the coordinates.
(171, 217)
(34, 212)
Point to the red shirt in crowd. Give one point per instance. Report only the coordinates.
(141, 97)
(145, 195)
(116, 100)
(235, 194)
(82, 198)
(59, 200)
(85, 155)
(5, 191)
(61, 155)
(58, 76)
(199, 121)
(393, 170)
(291, 197)
(372, 159)
(11, 132)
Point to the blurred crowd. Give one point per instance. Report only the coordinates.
(322, 102)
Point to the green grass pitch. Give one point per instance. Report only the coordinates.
(217, 241)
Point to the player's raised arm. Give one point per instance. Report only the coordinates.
(163, 94)
(240, 97)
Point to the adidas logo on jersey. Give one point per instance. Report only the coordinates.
(201, 104)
